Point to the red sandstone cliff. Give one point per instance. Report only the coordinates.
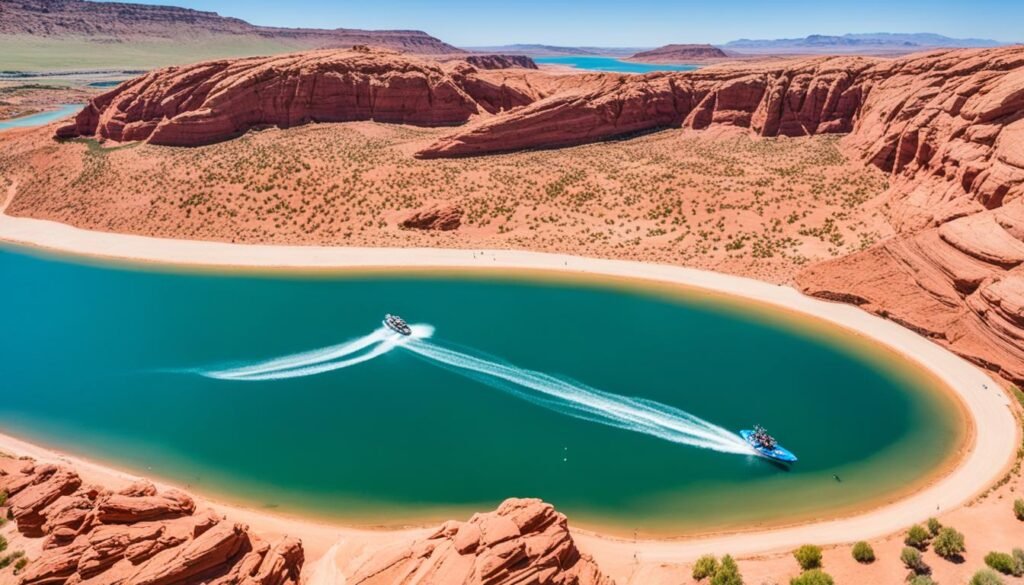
(134, 536)
(523, 541)
(216, 100)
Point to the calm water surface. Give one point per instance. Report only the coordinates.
(42, 118)
(611, 65)
(108, 362)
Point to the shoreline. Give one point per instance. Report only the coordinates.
(991, 452)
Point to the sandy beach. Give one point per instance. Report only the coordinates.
(992, 451)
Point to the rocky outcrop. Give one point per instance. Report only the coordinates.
(949, 127)
(501, 61)
(523, 541)
(213, 101)
(805, 97)
(137, 535)
(680, 54)
(437, 218)
(961, 284)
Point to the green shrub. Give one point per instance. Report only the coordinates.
(1018, 508)
(921, 580)
(934, 526)
(863, 553)
(1003, 563)
(911, 558)
(949, 544)
(20, 565)
(3, 497)
(3, 544)
(917, 537)
(813, 577)
(808, 556)
(1018, 559)
(705, 567)
(728, 573)
(6, 560)
(986, 577)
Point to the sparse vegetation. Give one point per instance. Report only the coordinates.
(912, 560)
(728, 573)
(986, 577)
(863, 553)
(812, 577)
(949, 543)
(1018, 508)
(808, 557)
(706, 566)
(1005, 563)
(917, 537)
(934, 526)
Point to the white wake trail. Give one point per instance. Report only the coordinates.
(323, 360)
(561, 395)
(581, 401)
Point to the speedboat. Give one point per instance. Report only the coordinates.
(766, 445)
(397, 324)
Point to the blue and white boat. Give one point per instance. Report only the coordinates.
(766, 445)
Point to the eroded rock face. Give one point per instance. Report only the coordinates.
(136, 536)
(217, 100)
(961, 284)
(523, 541)
(439, 218)
(796, 99)
(500, 61)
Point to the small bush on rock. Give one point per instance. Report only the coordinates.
(949, 543)
(911, 558)
(1018, 508)
(1003, 563)
(934, 526)
(728, 573)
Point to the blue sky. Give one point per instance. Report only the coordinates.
(635, 23)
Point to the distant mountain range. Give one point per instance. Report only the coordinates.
(871, 42)
(115, 22)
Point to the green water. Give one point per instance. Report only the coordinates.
(103, 361)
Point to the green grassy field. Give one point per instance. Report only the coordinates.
(23, 53)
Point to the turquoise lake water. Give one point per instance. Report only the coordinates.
(617, 404)
(42, 118)
(611, 65)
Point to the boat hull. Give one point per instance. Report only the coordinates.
(779, 453)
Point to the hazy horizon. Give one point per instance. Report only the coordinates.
(647, 23)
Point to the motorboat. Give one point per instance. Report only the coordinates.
(397, 324)
(766, 445)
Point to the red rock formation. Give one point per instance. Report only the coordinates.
(961, 284)
(213, 101)
(523, 541)
(136, 536)
(440, 218)
(680, 54)
(801, 98)
(501, 61)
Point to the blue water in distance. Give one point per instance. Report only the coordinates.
(611, 65)
(42, 118)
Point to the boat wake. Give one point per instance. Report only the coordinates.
(562, 395)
